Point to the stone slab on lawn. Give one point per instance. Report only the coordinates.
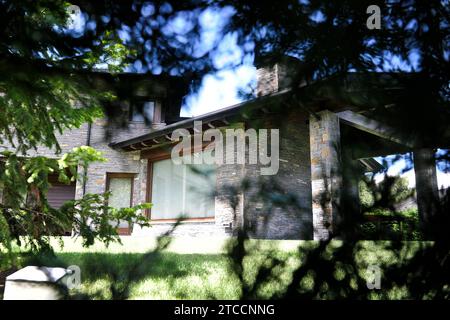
(35, 283)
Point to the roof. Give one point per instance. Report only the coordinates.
(216, 118)
(336, 94)
(371, 165)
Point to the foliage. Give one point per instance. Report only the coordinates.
(44, 67)
(173, 275)
(388, 225)
(44, 60)
(47, 87)
(25, 210)
(385, 194)
(379, 202)
(44, 84)
(92, 218)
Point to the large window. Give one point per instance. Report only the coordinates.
(182, 190)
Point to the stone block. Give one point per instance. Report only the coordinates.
(35, 283)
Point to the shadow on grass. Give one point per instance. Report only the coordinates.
(132, 275)
(316, 270)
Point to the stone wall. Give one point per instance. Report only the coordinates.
(292, 220)
(117, 161)
(267, 80)
(325, 173)
(279, 76)
(188, 229)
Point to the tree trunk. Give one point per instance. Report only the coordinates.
(427, 191)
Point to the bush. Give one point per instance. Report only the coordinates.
(388, 225)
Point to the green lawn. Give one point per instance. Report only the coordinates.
(169, 276)
(182, 272)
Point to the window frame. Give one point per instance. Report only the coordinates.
(121, 175)
(157, 116)
(159, 155)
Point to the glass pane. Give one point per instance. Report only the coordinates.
(148, 110)
(143, 111)
(137, 113)
(200, 185)
(179, 189)
(167, 190)
(120, 192)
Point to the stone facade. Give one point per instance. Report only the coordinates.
(325, 175)
(307, 162)
(279, 76)
(267, 80)
(117, 161)
(292, 218)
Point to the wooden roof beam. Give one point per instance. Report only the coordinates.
(371, 126)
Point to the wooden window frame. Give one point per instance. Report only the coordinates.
(159, 155)
(121, 175)
(157, 109)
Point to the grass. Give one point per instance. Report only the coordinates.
(170, 275)
(191, 268)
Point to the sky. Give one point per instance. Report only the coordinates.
(218, 90)
(396, 168)
(237, 73)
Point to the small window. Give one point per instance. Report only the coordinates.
(121, 187)
(142, 111)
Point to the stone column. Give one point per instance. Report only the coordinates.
(426, 188)
(326, 180)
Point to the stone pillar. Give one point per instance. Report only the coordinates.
(326, 177)
(426, 188)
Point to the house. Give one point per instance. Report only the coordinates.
(316, 136)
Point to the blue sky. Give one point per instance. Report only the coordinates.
(397, 167)
(236, 73)
(217, 90)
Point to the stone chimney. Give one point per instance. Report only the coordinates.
(276, 77)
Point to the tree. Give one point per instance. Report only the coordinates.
(44, 66)
(384, 195)
(46, 87)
